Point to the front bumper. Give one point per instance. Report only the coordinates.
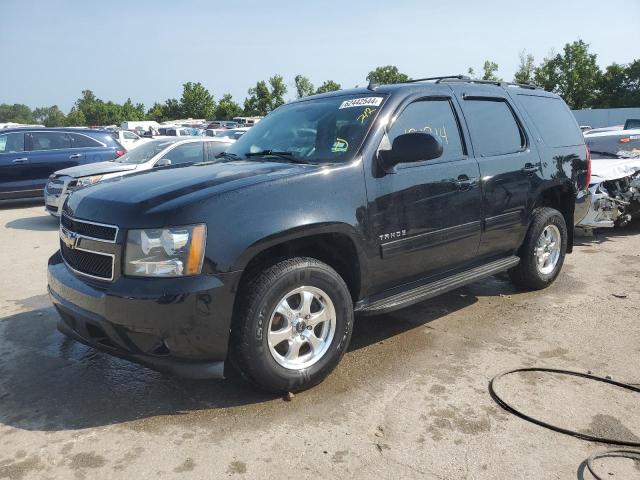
(53, 203)
(176, 325)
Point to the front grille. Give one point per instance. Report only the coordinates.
(54, 189)
(51, 208)
(89, 263)
(102, 232)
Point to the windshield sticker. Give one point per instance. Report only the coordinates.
(366, 113)
(361, 102)
(340, 145)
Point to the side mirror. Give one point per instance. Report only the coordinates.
(163, 162)
(412, 147)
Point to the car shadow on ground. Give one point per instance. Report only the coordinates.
(42, 223)
(51, 383)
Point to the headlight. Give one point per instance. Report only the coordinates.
(84, 181)
(165, 252)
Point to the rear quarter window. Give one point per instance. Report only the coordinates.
(493, 127)
(553, 120)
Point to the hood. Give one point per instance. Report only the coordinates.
(611, 169)
(97, 168)
(154, 198)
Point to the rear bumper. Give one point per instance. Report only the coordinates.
(184, 332)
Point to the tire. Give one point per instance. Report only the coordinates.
(529, 274)
(257, 326)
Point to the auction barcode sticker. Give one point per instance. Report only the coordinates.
(362, 102)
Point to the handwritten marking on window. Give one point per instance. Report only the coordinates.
(439, 132)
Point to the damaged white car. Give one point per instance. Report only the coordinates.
(615, 179)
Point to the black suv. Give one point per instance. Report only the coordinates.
(364, 200)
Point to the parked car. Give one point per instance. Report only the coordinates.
(222, 124)
(364, 200)
(28, 156)
(157, 153)
(615, 179)
(129, 140)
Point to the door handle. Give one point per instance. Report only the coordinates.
(19, 161)
(530, 168)
(75, 155)
(463, 182)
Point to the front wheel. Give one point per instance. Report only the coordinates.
(543, 251)
(292, 326)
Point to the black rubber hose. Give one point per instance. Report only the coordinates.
(622, 452)
(583, 436)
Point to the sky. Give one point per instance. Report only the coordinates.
(145, 50)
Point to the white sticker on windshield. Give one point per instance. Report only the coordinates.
(361, 102)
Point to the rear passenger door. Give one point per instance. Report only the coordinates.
(425, 215)
(186, 153)
(49, 151)
(509, 168)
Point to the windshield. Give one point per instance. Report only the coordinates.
(326, 130)
(144, 152)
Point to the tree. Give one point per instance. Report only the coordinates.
(619, 86)
(196, 101)
(264, 98)
(129, 111)
(18, 113)
(574, 75)
(75, 118)
(524, 74)
(227, 108)
(490, 68)
(49, 116)
(387, 75)
(304, 87)
(172, 109)
(156, 113)
(328, 86)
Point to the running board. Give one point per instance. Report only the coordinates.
(433, 289)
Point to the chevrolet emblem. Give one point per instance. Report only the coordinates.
(70, 239)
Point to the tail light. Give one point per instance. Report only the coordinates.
(120, 152)
(625, 140)
(588, 167)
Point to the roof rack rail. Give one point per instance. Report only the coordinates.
(499, 83)
(439, 79)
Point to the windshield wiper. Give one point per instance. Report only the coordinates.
(230, 156)
(286, 156)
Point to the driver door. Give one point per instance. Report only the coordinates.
(426, 216)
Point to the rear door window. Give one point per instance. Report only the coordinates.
(434, 116)
(83, 141)
(493, 127)
(12, 142)
(553, 119)
(50, 141)
(186, 153)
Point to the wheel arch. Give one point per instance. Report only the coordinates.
(561, 197)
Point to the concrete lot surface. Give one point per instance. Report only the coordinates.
(409, 400)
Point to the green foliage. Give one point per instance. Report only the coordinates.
(328, 86)
(525, 71)
(387, 75)
(573, 74)
(264, 98)
(49, 116)
(75, 118)
(227, 108)
(304, 87)
(17, 113)
(619, 86)
(490, 68)
(196, 101)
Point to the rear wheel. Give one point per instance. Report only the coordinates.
(293, 325)
(543, 251)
